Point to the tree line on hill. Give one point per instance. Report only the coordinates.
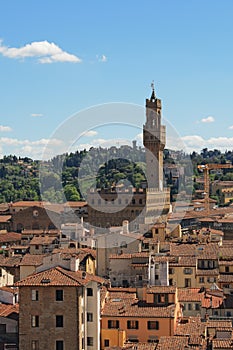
(69, 176)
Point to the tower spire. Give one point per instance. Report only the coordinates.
(153, 91)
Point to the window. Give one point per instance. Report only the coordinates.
(171, 271)
(90, 341)
(113, 324)
(35, 295)
(123, 244)
(59, 321)
(132, 324)
(59, 345)
(59, 295)
(37, 247)
(201, 280)
(227, 269)
(0, 272)
(161, 298)
(106, 342)
(133, 339)
(188, 271)
(89, 292)
(211, 279)
(153, 325)
(35, 345)
(197, 306)
(189, 307)
(2, 329)
(89, 317)
(153, 339)
(187, 282)
(35, 321)
(210, 264)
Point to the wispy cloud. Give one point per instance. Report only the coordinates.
(90, 133)
(231, 127)
(44, 51)
(102, 58)
(105, 143)
(4, 128)
(209, 119)
(37, 115)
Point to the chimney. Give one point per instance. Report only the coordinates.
(74, 264)
(125, 225)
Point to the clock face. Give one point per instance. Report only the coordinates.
(35, 213)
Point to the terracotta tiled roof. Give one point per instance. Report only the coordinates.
(4, 218)
(59, 277)
(177, 249)
(225, 278)
(124, 291)
(129, 256)
(161, 289)
(222, 344)
(27, 204)
(226, 252)
(172, 343)
(32, 260)
(189, 294)
(225, 262)
(7, 310)
(13, 261)
(193, 327)
(127, 305)
(44, 240)
(211, 301)
(9, 237)
(50, 206)
(8, 289)
(81, 253)
(26, 232)
(218, 324)
(184, 261)
(75, 204)
(212, 272)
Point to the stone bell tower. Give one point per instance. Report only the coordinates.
(154, 139)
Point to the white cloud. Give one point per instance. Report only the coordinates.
(197, 143)
(209, 119)
(90, 133)
(45, 51)
(139, 138)
(231, 127)
(4, 128)
(33, 149)
(36, 115)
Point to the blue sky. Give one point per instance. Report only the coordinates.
(60, 57)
